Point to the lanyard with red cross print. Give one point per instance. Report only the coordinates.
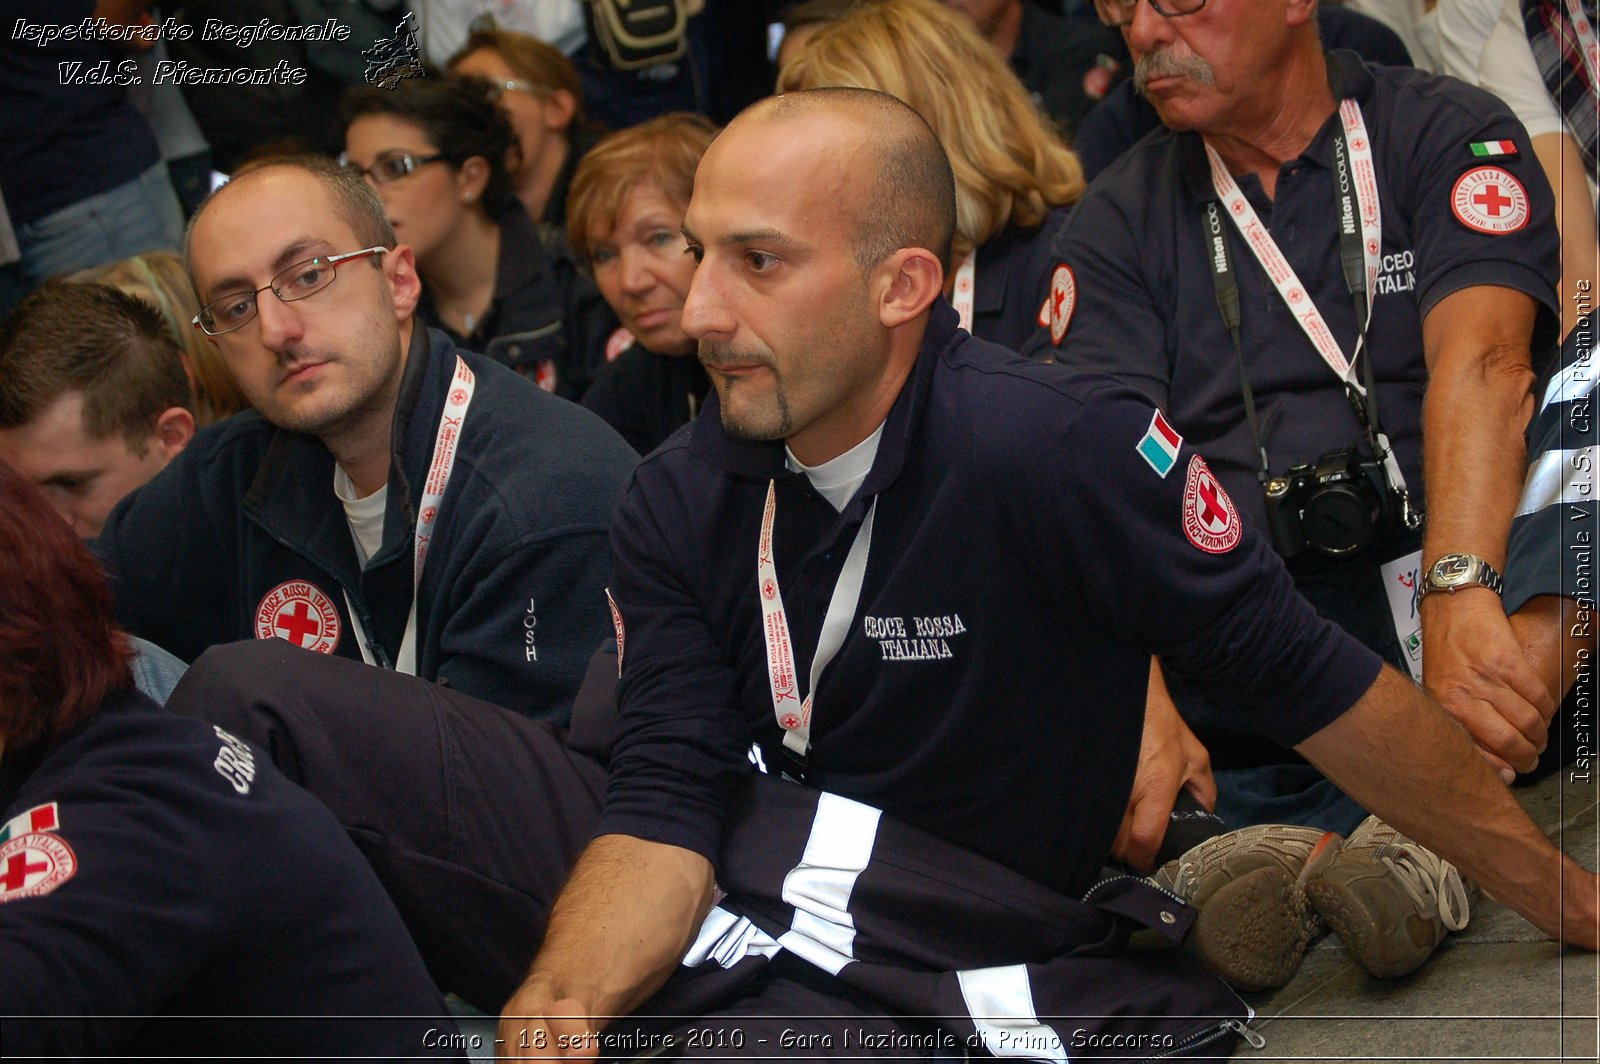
(445, 444)
(793, 712)
(1588, 46)
(1359, 252)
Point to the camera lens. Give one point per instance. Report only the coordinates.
(1339, 520)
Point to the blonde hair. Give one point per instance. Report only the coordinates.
(1011, 167)
(663, 151)
(158, 278)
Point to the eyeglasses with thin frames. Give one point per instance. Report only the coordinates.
(498, 88)
(1119, 13)
(390, 166)
(238, 309)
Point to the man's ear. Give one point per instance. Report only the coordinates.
(174, 430)
(1300, 12)
(913, 279)
(405, 284)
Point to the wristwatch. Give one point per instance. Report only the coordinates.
(1455, 571)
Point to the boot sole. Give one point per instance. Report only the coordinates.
(1349, 919)
(1254, 930)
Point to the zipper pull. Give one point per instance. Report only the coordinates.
(1256, 1041)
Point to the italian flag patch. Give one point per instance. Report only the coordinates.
(1489, 149)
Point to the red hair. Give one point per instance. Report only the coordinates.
(61, 654)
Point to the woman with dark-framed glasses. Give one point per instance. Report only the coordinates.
(435, 149)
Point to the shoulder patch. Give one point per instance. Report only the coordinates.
(45, 817)
(1209, 518)
(1160, 445)
(618, 342)
(299, 611)
(622, 632)
(1489, 149)
(33, 865)
(1489, 200)
(1063, 301)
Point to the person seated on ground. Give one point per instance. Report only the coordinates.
(627, 205)
(93, 397)
(435, 151)
(390, 497)
(158, 278)
(1125, 114)
(1068, 65)
(537, 87)
(959, 720)
(139, 912)
(1218, 268)
(1014, 177)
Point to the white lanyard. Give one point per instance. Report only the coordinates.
(1588, 47)
(964, 293)
(445, 442)
(793, 712)
(1282, 275)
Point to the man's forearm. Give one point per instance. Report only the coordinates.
(1399, 755)
(622, 924)
(1477, 406)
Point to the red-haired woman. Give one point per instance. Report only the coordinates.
(157, 876)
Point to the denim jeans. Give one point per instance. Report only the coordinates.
(140, 215)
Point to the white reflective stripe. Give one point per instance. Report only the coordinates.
(791, 711)
(1573, 382)
(1588, 46)
(842, 836)
(964, 293)
(1559, 476)
(1000, 1001)
(727, 939)
(451, 420)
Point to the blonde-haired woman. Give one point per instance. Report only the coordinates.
(1013, 173)
(158, 277)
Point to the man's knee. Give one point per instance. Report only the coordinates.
(226, 681)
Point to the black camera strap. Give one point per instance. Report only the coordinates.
(1228, 304)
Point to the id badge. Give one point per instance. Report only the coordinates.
(1402, 581)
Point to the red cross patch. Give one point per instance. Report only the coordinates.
(1489, 200)
(1209, 519)
(1063, 301)
(617, 343)
(33, 865)
(298, 611)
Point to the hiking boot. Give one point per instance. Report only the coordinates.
(1390, 900)
(1254, 921)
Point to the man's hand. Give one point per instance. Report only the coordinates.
(1170, 760)
(535, 1027)
(1474, 665)
(621, 925)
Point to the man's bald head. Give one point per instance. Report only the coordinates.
(910, 198)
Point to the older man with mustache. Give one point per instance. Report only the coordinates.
(1333, 278)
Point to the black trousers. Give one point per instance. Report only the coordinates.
(472, 817)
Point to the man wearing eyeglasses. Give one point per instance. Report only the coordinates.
(391, 499)
(1331, 276)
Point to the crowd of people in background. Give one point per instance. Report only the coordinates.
(1161, 423)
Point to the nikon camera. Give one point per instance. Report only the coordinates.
(1336, 506)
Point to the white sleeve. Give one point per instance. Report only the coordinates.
(1509, 70)
(1464, 28)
